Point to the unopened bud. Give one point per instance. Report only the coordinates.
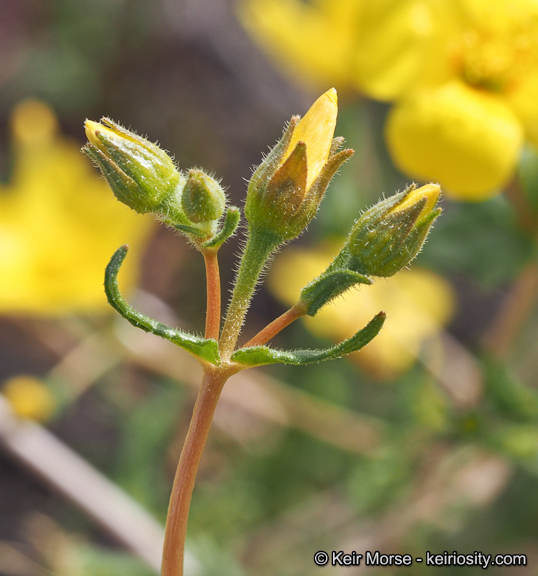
(390, 234)
(203, 199)
(141, 174)
(285, 191)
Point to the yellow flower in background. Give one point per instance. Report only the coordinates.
(463, 75)
(312, 41)
(417, 302)
(29, 398)
(59, 224)
(468, 138)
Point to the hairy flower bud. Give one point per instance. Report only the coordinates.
(383, 240)
(141, 174)
(390, 234)
(285, 191)
(203, 199)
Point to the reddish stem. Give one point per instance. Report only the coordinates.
(513, 313)
(212, 319)
(187, 468)
(277, 325)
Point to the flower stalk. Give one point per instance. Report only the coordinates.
(258, 250)
(212, 320)
(187, 468)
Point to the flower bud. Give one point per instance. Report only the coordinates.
(285, 191)
(203, 199)
(141, 174)
(383, 240)
(390, 234)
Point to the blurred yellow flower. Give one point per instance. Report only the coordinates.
(29, 398)
(463, 74)
(59, 224)
(417, 302)
(311, 41)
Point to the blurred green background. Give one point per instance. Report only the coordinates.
(427, 442)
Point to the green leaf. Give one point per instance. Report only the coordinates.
(206, 350)
(231, 222)
(260, 355)
(329, 286)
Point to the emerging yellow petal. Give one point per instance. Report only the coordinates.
(285, 192)
(316, 130)
(93, 128)
(430, 191)
(466, 139)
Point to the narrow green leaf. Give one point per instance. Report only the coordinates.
(231, 222)
(329, 286)
(206, 350)
(260, 355)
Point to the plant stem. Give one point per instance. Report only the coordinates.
(187, 468)
(212, 319)
(513, 313)
(277, 325)
(257, 251)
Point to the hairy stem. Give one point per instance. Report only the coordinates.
(277, 325)
(212, 319)
(187, 468)
(258, 249)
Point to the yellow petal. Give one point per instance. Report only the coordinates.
(430, 191)
(402, 45)
(465, 139)
(316, 130)
(312, 42)
(93, 128)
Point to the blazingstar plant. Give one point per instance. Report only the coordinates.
(283, 196)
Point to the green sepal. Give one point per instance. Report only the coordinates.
(206, 350)
(231, 222)
(329, 286)
(260, 355)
